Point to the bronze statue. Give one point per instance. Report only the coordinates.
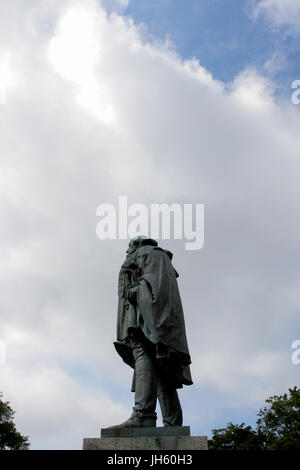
(151, 334)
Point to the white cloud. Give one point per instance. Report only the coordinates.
(55, 409)
(253, 91)
(7, 79)
(177, 135)
(74, 52)
(280, 12)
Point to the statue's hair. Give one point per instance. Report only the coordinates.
(138, 237)
(141, 240)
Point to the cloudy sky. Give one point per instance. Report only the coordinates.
(185, 101)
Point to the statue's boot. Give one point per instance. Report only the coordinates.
(144, 414)
(136, 420)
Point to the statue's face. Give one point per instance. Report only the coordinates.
(133, 245)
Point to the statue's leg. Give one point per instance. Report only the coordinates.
(169, 403)
(145, 387)
(145, 382)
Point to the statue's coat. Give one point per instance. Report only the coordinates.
(157, 311)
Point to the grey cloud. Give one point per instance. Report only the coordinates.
(177, 136)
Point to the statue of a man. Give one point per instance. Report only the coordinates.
(151, 334)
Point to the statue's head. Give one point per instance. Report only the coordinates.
(139, 241)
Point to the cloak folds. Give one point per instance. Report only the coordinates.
(157, 311)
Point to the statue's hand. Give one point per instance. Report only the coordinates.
(132, 294)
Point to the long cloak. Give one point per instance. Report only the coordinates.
(157, 312)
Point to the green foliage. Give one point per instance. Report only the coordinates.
(278, 427)
(279, 421)
(10, 438)
(235, 437)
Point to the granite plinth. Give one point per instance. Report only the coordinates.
(147, 442)
(166, 431)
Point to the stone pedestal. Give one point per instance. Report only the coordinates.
(164, 438)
